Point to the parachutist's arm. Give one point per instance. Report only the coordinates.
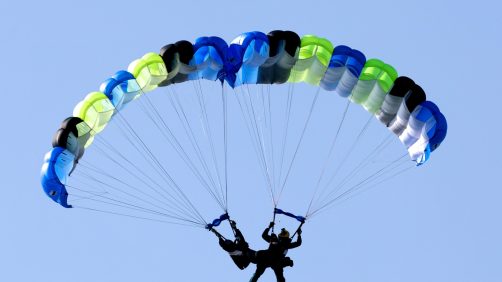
(221, 241)
(217, 234)
(296, 244)
(265, 235)
(238, 235)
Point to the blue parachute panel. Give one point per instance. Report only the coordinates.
(57, 165)
(441, 126)
(209, 58)
(343, 71)
(425, 131)
(353, 59)
(121, 88)
(246, 54)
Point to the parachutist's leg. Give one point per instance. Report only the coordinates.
(287, 261)
(260, 269)
(279, 273)
(252, 256)
(238, 235)
(221, 242)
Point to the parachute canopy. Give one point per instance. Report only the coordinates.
(278, 57)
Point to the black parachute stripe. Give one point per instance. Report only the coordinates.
(175, 56)
(402, 85)
(170, 56)
(69, 125)
(415, 98)
(277, 69)
(291, 39)
(61, 137)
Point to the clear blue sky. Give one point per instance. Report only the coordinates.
(440, 223)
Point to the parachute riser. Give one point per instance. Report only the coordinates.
(218, 234)
(273, 221)
(297, 229)
(216, 222)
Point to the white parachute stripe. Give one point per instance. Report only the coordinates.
(340, 79)
(389, 109)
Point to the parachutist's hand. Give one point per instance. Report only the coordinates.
(299, 232)
(232, 223)
(271, 224)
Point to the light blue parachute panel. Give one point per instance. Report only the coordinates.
(209, 58)
(57, 165)
(247, 53)
(421, 127)
(121, 89)
(343, 71)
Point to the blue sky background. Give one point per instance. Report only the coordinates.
(439, 223)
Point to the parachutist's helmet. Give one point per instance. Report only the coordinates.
(284, 233)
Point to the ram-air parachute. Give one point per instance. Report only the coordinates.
(137, 173)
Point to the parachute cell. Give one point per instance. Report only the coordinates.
(57, 165)
(392, 101)
(96, 110)
(375, 81)
(246, 54)
(343, 71)
(314, 58)
(177, 59)
(149, 71)
(209, 58)
(121, 89)
(414, 97)
(283, 53)
(73, 136)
